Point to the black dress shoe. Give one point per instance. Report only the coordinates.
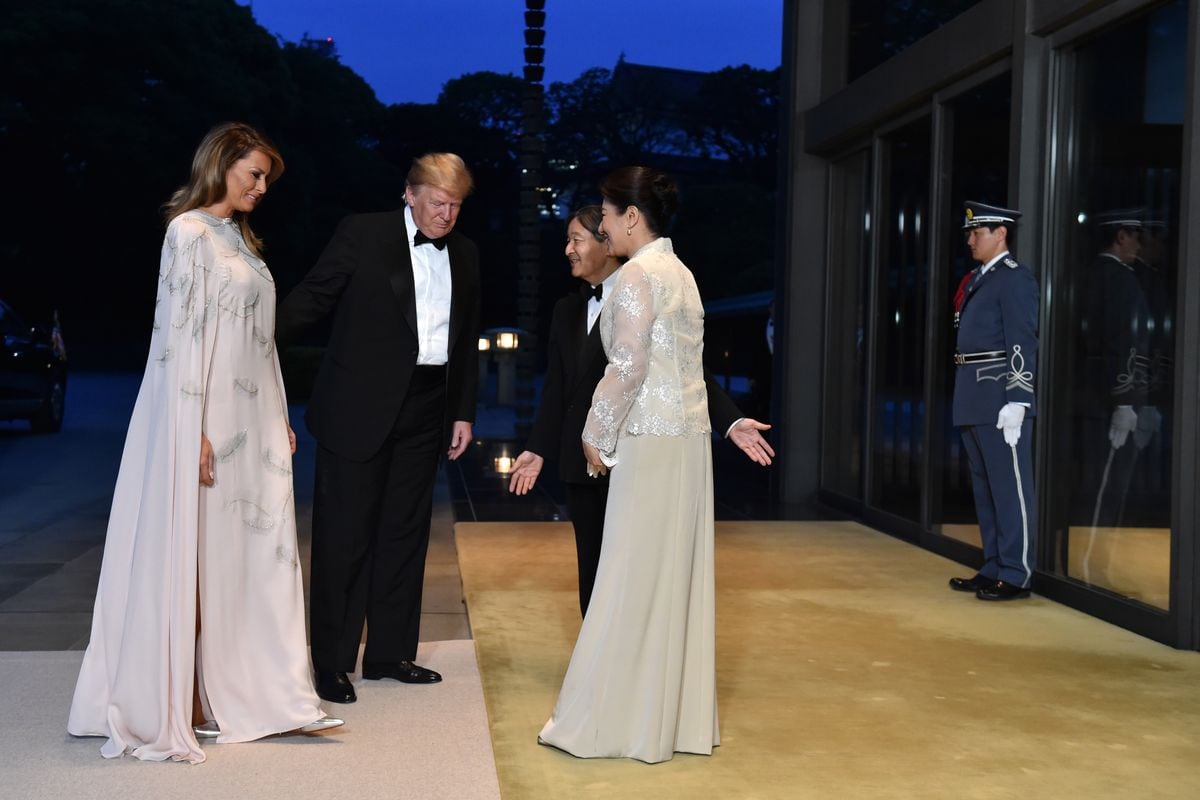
(973, 584)
(403, 671)
(1002, 591)
(335, 687)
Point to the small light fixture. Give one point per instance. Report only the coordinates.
(503, 464)
(506, 340)
(485, 343)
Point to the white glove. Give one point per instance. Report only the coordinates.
(1149, 423)
(1009, 420)
(1124, 420)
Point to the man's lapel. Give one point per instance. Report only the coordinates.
(395, 250)
(591, 348)
(458, 281)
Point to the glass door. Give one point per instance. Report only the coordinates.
(1113, 315)
(976, 135)
(848, 328)
(897, 425)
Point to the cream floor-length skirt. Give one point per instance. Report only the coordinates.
(642, 679)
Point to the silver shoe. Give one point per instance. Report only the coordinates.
(322, 724)
(209, 730)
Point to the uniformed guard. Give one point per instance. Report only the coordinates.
(996, 311)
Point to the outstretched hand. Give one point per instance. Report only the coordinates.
(745, 434)
(525, 472)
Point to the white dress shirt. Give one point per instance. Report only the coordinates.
(431, 288)
(594, 306)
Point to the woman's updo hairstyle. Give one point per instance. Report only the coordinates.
(653, 193)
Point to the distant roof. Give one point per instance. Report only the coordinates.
(670, 81)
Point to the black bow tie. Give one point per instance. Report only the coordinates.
(421, 238)
(596, 291)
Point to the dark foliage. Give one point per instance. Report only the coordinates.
(103, 102)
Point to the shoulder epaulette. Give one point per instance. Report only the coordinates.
(1011, 262)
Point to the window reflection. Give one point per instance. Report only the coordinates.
(1113, 523)
(879, 29)
(845, 378)
(899, 422)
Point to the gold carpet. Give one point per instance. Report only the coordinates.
(846, 669)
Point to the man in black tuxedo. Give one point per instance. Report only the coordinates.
(398, 381)
(576, 364)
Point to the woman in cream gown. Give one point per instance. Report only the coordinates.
(641, 681)
(202, 513)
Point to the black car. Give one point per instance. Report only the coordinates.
(33, 372)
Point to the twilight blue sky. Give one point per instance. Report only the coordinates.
(406, 49)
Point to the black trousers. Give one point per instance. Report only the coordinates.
(370, 536)
(586, 505)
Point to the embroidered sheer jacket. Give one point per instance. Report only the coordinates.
(653, 333)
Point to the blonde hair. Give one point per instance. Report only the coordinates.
(444, 171)
(219, 150)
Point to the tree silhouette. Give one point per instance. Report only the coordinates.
(103, 103)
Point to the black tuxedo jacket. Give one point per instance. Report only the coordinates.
(366, 273)
(576, 363)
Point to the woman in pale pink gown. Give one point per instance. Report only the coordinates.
(200, 606)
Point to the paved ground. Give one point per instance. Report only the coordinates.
(55, 492)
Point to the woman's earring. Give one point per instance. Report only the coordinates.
(629, 231)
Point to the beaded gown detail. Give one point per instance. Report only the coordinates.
(212, 368)
(641, 682)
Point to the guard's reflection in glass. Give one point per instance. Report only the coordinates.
(1152, 436)
(1130, 97)
(1125, 347)
(1116, 419)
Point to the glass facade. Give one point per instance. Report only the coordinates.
(977, 131)
(1082, 120)
(848, 325)
(879, 29)
(1115, 316)
(898, 407)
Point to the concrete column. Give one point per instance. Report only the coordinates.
(800, 280)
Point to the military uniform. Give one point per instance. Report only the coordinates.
(996, 365)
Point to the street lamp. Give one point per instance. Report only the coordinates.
(502, 345)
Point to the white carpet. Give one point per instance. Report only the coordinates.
(399, 742)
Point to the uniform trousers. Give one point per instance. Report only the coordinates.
(1002, 481)
(371, 524)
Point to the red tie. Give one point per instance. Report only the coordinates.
(960, 295)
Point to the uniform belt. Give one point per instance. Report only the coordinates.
(980, 358)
